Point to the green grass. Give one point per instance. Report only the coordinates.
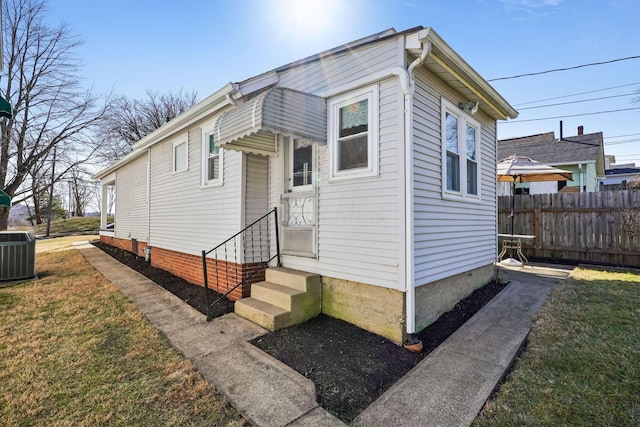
(73, 225)
(75, 351)
(581, 365)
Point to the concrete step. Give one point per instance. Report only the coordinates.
(278, 295)
(296, 279)
(286, 298)
(262, 313)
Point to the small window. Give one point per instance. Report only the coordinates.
(353, 138)
(460, 153)
(180, 155)
(212, 164)
(453, 157)
(301, 165)
(472, 161)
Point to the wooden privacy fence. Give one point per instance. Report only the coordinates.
(602, 227)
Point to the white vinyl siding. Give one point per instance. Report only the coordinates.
(184, 217)
(451, 236)
(132, 206)
(359, 220)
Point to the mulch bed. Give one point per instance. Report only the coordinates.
(350, 367)
(186, 291)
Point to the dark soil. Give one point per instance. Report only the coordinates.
(186, 291)
(350, 367)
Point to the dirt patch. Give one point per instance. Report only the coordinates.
(350, 367)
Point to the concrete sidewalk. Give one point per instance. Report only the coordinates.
(450, 386)
(266, 391)
(447, 388)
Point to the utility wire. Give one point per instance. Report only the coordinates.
(576, 94)
(623, 136)
(571, 115)
(625, 141)
(565, 69)
(577, 101)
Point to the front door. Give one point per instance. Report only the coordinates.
(299, 199)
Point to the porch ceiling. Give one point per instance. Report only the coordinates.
(253, 125)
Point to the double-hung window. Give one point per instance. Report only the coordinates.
(212, 166)
(460, 153)
(180, 155)
(353, 139)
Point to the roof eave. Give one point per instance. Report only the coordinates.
(209, 105)
(448, 58)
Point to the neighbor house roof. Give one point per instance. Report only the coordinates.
(547, 149)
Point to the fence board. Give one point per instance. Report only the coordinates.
(601, 227)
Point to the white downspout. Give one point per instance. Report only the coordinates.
(581, 176)
(147, 249)
(408, 184)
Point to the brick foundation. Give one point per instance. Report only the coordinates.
(133, 246)
(222, 275)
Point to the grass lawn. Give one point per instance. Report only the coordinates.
(75, 351)
(73, 225)
(582, 361)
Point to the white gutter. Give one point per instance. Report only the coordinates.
(408, 184)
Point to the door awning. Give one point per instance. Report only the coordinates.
(252, 126)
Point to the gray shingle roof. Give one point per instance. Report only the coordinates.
(547, 149)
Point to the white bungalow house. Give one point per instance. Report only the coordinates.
(379, 157)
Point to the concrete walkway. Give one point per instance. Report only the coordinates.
(448, 388)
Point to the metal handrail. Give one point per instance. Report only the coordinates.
(258, 268)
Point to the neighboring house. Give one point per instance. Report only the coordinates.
(379, 155)
(619, 175)
(583, 155)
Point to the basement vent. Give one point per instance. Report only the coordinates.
(17, 255)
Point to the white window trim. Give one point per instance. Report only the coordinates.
(176, 143)
(204, 182)
(373, 148)
(464, 119)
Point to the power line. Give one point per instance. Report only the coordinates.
(564, 69)
(623, 136)
(576, 94)
(577, 101)
(624, 141)
(571, 115)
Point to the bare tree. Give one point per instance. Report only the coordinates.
(81, 191)
(133, 119)
(49, 107)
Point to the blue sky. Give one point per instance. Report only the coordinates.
(131, 46)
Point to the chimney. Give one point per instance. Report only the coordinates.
(580, 130)
(561, 130)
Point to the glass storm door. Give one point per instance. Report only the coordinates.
(299, 199)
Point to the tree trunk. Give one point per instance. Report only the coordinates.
(4, 218)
